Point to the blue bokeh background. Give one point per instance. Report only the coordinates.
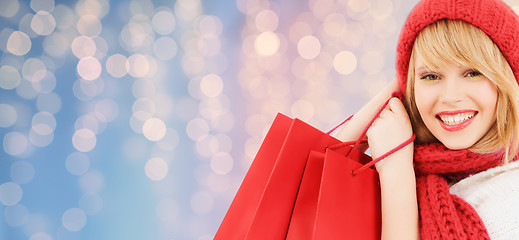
(139, 119)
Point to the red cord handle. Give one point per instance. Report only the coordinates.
(340, 124)
(363, 134)
(376, 160)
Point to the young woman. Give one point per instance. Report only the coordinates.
(458, 65)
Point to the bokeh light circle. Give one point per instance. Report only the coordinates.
(143, 108)
(9, 77)
(89, 68)
(10, 193)
(97, 8)
(345, 62)
(267, 44)
(89, 121)
(156, 169)
(8, 115)
(34, 69)
(43, 123)
(83, 46)
(19, 43)
(44, 82)
(335, 25)
(139, 65)
(42, 5)
(359, 5)
(43, 23)
(77, 163)
(309, 47)
(222, 163)
(56, 44)
(266, 21)
(40, 140)
(188, 10)
(84, 140)
(89, 25)
(163, 22)
(154, 129)
(303, 109)
(197, 129)
(15, 143)
(74, 219)
(117, 65)
(65, 17)
(209, 25)
(9, 8)
(211, 85)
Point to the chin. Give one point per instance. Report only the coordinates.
(457, 145)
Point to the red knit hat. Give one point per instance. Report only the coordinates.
(494, 17)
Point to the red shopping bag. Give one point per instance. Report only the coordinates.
(334, 204)
(349, 204)
(263, 205)
(305, 208)
(339, 195)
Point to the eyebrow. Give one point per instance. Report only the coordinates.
(422, 68)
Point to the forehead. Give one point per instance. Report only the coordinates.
(432, 61)
(440, 64)
(451, 42)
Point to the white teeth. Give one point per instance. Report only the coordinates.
(456, 119)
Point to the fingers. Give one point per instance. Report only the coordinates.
(396, 106)
(390, 108)
(385, 113)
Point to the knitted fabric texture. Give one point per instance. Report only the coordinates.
(494, 17)
(442, 215)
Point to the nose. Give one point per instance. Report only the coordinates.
(452, 91)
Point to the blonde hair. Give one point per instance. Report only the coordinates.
(458, 42)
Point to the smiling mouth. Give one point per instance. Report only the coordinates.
(455, 119)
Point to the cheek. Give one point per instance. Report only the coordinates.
(424, 99)
(487, 95)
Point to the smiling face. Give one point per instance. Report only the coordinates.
(457, 104)
(461, 90)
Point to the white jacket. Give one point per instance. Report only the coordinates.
(494, 194)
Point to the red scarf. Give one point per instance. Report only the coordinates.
(442, 215)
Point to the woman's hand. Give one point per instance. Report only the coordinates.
(353, 128)
(389, 130)
(397, 177)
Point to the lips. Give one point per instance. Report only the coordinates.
(456, 120)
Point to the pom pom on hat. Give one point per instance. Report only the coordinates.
(494, 17)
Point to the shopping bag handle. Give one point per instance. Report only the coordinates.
(361, 139)
(396, 94)
(378, 159)
(340, 124)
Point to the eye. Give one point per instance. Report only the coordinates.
(430, 77)
(473, 73)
